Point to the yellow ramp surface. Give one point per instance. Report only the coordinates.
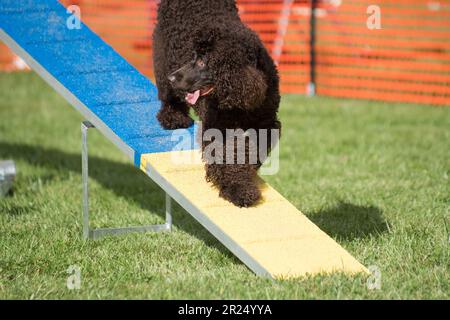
(273, 238)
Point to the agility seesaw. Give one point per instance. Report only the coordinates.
(273, 239)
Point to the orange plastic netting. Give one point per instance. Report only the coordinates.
(407, 60)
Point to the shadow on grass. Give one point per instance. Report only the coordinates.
(347, 221)
(19, 210)
(123, 179)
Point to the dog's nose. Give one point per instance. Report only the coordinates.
(172, 78)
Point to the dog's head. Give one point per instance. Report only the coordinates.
(224, 68)
(193, 80)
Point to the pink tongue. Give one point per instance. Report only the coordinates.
(192, 98)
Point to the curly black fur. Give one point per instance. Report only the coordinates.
(246, 83)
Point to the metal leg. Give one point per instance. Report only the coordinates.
(94, 234)
(85, 126)
(168, 212)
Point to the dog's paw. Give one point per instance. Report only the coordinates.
(174, 120)
(243, 196)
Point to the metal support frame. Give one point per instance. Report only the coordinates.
(94, 234)
(312, 85)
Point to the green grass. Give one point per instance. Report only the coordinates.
(375, 176)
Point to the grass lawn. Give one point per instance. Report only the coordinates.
(375, 176)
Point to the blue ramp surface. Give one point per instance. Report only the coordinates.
(91, 75)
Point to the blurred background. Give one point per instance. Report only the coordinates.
(407, 60)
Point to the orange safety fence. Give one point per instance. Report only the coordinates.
(407, 60)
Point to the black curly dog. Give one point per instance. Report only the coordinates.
(207, 59)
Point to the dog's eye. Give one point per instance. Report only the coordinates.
(201, 64)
